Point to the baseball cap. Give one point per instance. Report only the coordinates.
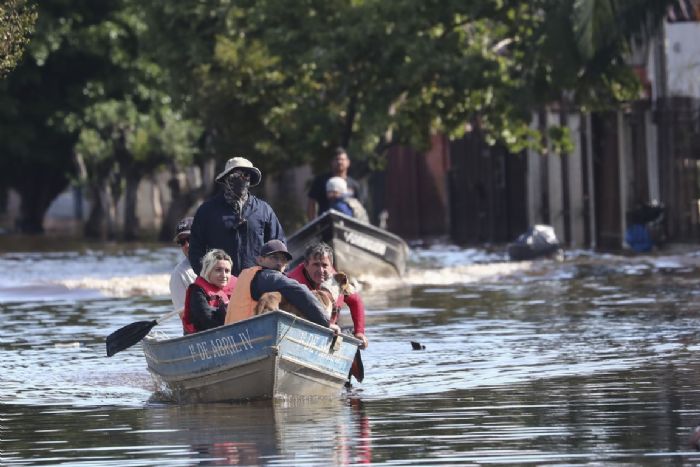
(275, 246)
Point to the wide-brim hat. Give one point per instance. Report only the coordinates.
(241, 163)
(275, 246)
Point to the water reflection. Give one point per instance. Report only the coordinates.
(309, 432)
(273, 432)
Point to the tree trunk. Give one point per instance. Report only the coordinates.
(96, 224)
(131, 219)
(346, 132)
(101, 222)
(566, 201)
(183, 197)
(186, 189)
(544, 192)
(36, 195)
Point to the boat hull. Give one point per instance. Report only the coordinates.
(359, 248)
(272, 355)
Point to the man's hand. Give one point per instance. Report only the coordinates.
(364, 340)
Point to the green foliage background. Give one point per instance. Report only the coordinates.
(126, 88)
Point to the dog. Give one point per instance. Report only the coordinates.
(271, 301)
(338, 284)
(327, 293)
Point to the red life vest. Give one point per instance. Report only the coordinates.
(215, 297)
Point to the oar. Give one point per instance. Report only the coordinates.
(131, 334)
(358, 368)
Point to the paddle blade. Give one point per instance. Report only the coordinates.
(358, 368)
(125, 337)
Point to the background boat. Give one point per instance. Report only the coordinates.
(272, 355)
(359, 248)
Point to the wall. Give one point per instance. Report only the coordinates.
(683, 59)
(416, 191)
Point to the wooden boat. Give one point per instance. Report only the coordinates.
(267, 356)
(359, 248)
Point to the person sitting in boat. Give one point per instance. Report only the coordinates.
(340, 200)
(318, 202)
(208, 296)
(316, 268)
(183, 275)
(268, 276)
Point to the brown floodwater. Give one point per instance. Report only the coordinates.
(593, 361)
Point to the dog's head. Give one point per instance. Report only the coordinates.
(337, 285)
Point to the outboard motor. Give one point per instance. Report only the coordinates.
(539, 241)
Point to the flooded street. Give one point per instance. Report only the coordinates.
(592, 361)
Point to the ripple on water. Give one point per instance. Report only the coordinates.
(589, 361)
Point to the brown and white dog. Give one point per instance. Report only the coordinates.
(327, 293)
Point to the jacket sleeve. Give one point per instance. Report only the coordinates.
(198, 245)
(295, 293)
(357, 312)
(273, 228)
(202, 315)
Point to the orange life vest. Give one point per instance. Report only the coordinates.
(242, 304)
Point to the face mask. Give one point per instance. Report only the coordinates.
(238, 186)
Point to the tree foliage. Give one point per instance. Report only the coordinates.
(131, 86)
(291, 83)
(87, 75)
(17, 19)
(35, 153)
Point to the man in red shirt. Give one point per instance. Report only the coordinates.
(316, 268)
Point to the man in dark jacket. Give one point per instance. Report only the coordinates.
(234, 221)
(268, 276)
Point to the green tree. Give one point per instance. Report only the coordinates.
(17, 19)
(127, 134)
(117, 146)
(284, 85)
(290, 83)
(35, 154)
(86, 69)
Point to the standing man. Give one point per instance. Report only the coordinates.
(234, 221)
(318, 202)
(183, 275)
(316, 268)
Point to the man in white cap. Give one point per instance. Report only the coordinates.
(235, 221)
(183, 275)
